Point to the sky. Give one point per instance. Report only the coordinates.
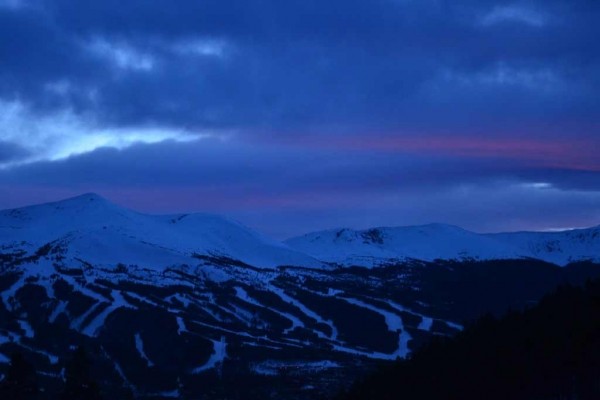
(299, 115)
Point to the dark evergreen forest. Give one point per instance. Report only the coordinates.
(550, 351)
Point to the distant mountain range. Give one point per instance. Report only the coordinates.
(199, 306)
(90, 228)
(379, 246)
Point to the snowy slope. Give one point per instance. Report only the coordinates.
(378, 246)
(59, 289)
(557, 247)
(92, 229)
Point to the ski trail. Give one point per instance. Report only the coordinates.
(394, 323)
(218, 356)
(94, 326)
(139, 345)
(59, 309)
(308, 312)
(9, 294)
(77, 322)
(426, 322)
(296, 323)
(180, 325)
(26, 327)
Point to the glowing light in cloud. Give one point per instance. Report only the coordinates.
(60, 87)
(502, 74)
(121, 55)
(538, 185)
(201, 47)
(13, 4)
(514, 13)
(64, 134)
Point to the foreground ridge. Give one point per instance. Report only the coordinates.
(546, 352)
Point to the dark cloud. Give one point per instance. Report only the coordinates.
(328, 110)
(240, 167)
(308, 64)
(286, 191)
(10, 152)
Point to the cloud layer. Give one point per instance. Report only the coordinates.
(295, 115)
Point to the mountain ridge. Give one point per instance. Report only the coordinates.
(89, 222)
(371, 247)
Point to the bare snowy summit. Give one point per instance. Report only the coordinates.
(91, 228)
(379, 246)
(99, 232)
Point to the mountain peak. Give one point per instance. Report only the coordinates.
(85, 197)
(83, 204)
(88, 209)
(90, 196)
(102, 233)
(441, 226)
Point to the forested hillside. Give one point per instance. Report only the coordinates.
(550, 351)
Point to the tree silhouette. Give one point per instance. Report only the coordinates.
(550, 351)
(79, 384)
(21, 380)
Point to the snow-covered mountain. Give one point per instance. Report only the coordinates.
(198, 306)
(380, 246)
(168, 304)
(560, 248)
(91, 229)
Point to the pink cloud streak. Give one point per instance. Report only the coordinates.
(548, 153)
